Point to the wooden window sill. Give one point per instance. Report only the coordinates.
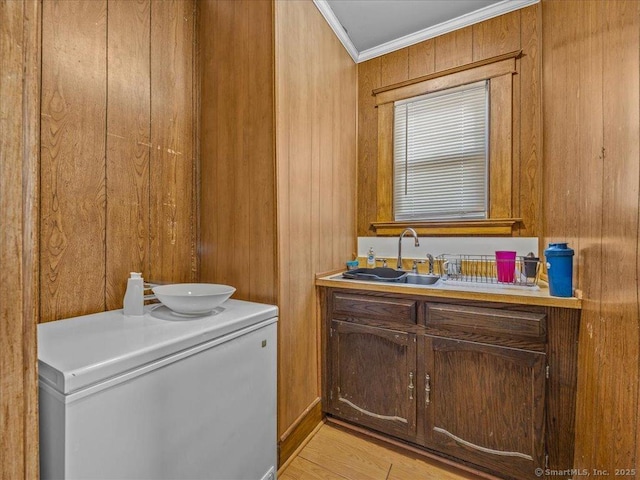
(468, 228)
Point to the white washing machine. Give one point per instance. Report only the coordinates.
(160, 397)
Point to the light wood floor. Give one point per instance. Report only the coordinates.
(336, 454)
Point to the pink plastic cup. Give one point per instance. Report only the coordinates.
(506, 266)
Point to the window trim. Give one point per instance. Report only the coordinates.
(499, 72)
(468, 73)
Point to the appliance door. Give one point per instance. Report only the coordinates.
(208, 415)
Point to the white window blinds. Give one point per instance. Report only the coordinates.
(440, 154)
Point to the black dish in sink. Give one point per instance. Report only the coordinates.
(379, 274)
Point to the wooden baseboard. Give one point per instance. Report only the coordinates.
(299, 431)
(296, 452)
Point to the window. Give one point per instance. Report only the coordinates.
(501, 107)
(440, 154)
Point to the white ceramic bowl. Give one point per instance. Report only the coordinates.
(193, 298)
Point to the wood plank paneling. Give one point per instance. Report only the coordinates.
(237, 238)
(103, 206)
(74, 42)
(528, 177)
(591, 89)
(345, 160)
(217, 127)
(19, 148)
(261, 152)
(454, 48)
(172, 206)
(294, 165)
(298, 357)
(128, 125)
(620, 242)
(310, 170)
(32, 41)
(304, 165)
(563, 69)
(394, 67)
(496, 35)
(422, 59)
(561, 100)
(589, 129)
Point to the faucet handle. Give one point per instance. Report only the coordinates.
(414, 269)
(383, 260)
(430, 259)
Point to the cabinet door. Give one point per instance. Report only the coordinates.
(485, 404)
(373, 377)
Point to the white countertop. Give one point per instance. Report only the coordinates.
(537, 295)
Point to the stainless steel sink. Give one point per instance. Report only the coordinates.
(389, 275)
(417, 279)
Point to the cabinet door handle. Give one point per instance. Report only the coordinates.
(427, 389)
(411, 387)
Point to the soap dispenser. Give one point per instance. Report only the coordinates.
(371, 258)
(133, 302)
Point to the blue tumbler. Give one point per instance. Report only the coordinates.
(560, 269)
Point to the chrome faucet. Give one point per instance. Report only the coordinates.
(417, 244)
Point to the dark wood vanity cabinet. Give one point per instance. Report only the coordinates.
(372, 364)
(485, 384)
(467, 380)
(485, 404)
(374, 377)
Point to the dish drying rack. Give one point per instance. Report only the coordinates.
(482, 269)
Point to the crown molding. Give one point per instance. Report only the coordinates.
(337, 27)
(462, 21)
(491, 11)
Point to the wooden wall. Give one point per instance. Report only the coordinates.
(237, 153)
(591, 124)
(117, 150)
(278, 123)
(316, 103)
(19, 116)
(518, 30)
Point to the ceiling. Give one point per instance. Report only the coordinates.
(370, 28)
